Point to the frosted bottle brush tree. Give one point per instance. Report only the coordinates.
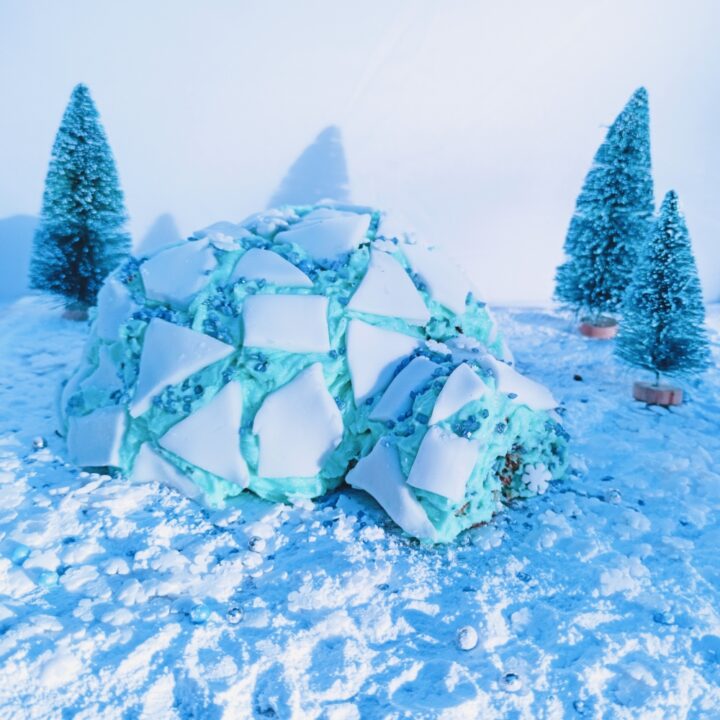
(663, 328)
(81, 236)
(613, 215)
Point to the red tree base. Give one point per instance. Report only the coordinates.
(72, 314)
(664, 395)
(602, 329)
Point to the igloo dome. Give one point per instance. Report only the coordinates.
(303, 348)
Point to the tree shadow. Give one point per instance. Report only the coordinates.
(319, 173)
(162, 232)
(16, 237)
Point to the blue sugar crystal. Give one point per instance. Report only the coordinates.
(199, 614)
(48, 578)
(20, 554)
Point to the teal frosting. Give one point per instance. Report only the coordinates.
(510, 434)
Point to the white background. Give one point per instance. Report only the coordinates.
(477, 120)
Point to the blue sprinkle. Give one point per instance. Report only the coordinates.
(48, 578)
(664, 618)
(422, 418)
(199, 614)
(20, 554)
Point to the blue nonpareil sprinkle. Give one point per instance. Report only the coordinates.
(199, 614)
(20, 554)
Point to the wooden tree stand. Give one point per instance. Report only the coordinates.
(664, 395)
(604, 328)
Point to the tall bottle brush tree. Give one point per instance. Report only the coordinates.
(81, 235)
(663, 328)
(613, 215)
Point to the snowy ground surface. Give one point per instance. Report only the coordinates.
(600, 599)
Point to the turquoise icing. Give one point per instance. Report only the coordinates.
(510, 435)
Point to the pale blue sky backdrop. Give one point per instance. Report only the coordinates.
(476, 120)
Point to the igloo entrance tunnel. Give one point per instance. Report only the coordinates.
(304, 348)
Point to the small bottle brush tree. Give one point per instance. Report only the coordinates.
(81, 235)
(613, 215)
(663, 327)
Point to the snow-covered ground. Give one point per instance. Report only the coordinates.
(599, 599)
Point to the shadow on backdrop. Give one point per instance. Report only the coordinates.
(162, 232)
(319, 173)
(16, 236)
